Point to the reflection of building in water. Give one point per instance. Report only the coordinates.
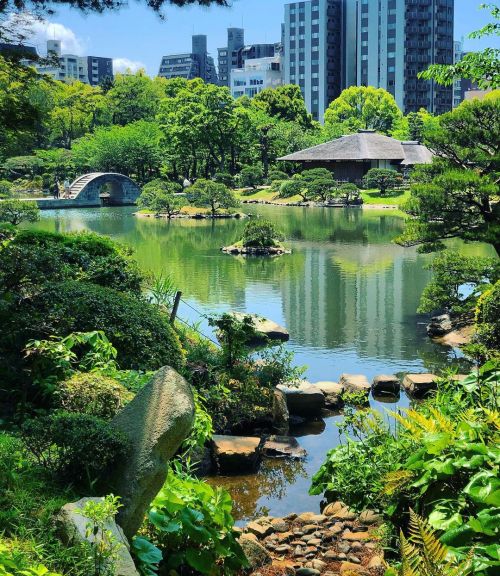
(363, 295)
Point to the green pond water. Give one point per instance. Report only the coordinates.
(347, 295)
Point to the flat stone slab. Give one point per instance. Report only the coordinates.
(267, 328)
(355, 383)
(236, 454)
(305, 399)
(386, 384)
(419, 384)
(332, 392)
(283, 447)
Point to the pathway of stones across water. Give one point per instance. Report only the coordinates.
(337, 542)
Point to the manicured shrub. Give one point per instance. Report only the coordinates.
(262, 234)
(251, 177)
(275, 174)
(79, 448)
(92, 393)
(141, 334)
(224, 178)
(36, 257)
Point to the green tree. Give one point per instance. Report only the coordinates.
(213, 195)
(162, 198)
(482, 67)
(262, 234)
(322, 188)
(382, 179)
(251, 176)
(296, 186)
(286, 103)
(487, 324)
(363, 107)
(457, 282)
(17, 211)
(349, 191)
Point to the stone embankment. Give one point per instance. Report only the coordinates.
(255, 250)
(336, 542)
(193, 216)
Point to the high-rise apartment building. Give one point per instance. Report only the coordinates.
(330, 45)
(236, 53)
(257, 75)
(190, 65)
(312, 46)
(69, 67)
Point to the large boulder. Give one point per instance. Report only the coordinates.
(280, 412)
(236, 454)
(283, 447)
(72, 528)
(439, 325)
(255, 553)
(333, 393)
(419, 385)
(303, 399)
(266, 329)
(355, 383)
(155, 422)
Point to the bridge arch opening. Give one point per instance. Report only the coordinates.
(104, 189)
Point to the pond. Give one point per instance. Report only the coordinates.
(347, 295)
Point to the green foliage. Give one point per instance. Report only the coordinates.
(16, 211)
(481, 67)
(146, 555)
(487, 323)
(92, 393)
(275, 174)
(286, 103)
(162, 198)
(77, 448)
(234, 334)
(382, 179)
(362, 107)
(103, 543)
(457, 282)
(191, 523)
(224, 178)
(251, 177)
(5, 189)
(294, 187)
(11, 564)
(349, 191)
(261, 234)
(213, 195)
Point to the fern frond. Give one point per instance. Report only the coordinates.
(492, 417)
(422, 535)
(407, 423)
(445, 424)
(394, 481)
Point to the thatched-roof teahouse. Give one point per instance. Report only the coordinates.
(350, 157)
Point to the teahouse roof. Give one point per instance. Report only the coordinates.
(364, 145)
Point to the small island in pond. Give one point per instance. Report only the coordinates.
(260, 238)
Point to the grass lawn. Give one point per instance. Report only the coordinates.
(391, 197)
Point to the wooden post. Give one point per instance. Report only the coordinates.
(175, 307)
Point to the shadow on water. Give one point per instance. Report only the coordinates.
(347, 295)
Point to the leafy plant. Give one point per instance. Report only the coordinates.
(74, 447)
(162, 197)
(103, 543)
(251, 177)
(162, 290)
(234, 335)
(17, 211)
(382, 179)
(191, 523)
(261, 234)
(14, 565)
(422, 554)
(147, 556)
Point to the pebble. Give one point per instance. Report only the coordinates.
(354, 559)
(307, 572)
(260, 530)
(343, 547)
(314, 541)
(309, 528)
(282, 549)
(279, 525)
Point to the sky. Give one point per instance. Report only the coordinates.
(135, 37)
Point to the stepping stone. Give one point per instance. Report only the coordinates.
(418, 385)
(236, 454)
(283, 447)
(355, 383)
(332, 392)
(305, 399)
(385, 384)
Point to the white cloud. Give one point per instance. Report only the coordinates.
(124, 65)
(38, 30)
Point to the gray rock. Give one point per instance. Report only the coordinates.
(236, 454)
(439, 325)
(355, 383)
(282, 447)
(304, 399)
(419, 385)
(333, 393)
(72, 527)
(280, 413)
(255, 553)
(307, 572)
(385, 384)
(266, 329)
(155, 422)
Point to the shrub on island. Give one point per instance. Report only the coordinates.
(259, 237)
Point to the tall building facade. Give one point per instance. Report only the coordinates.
(236, 53)
(312, 46)
(330, 45)
(195, 64)
(257, 75)
(87, 69)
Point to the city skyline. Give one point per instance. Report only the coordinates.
(109, 34)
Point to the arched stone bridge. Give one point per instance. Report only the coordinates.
(99, 188)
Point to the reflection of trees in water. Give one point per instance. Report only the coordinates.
(272, 482)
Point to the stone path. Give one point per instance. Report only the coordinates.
(333, 543)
